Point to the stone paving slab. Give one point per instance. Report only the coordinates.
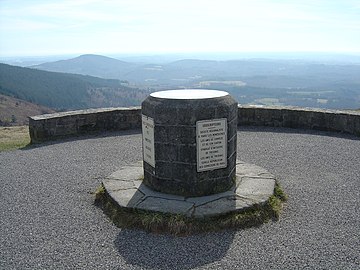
(152, 193)
(255, 188)
(254, 185)
(221, 206)
(251, 170)
(127, 174)
(166, 206)
(129, 198)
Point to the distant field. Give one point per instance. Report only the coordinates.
(210, 83)
(269, 101)
(14, 137)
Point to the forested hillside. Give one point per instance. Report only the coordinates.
(65, 91)
(294, 82)
(15, 112)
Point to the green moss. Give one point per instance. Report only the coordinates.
(279, 193)
(156, 222)
(276, 201)
(99, 193)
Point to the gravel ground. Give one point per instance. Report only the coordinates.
(48, 220)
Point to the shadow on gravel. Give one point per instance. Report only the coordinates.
(170, 252)
(83, 137)
(299, 131)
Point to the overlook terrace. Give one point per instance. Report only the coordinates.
(49, 220)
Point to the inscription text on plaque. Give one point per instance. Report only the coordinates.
(148, 140)
(211, 141)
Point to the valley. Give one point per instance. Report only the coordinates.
(94, 81)
(293, 82)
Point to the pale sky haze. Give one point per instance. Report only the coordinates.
(44, 27)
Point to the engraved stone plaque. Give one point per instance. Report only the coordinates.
(211, 141)
(148, 140)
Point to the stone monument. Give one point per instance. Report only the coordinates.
(189, 165)
(189, 141)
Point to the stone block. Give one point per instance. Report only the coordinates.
(186, 153)
(232, 128)
(232, 146)
(166, 152)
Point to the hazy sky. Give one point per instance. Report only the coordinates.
(44, 27)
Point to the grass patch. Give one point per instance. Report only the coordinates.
(181, 225)
(12, 138)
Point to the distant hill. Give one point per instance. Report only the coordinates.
(186, 72)
(295, 82)
(90, 64)
(62, 91)
(15, 111)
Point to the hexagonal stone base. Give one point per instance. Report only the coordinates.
(254, 186)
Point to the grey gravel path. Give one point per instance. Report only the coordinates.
(48, 220)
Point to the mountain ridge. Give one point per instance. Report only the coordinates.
(90, 64)
(185, 69)
(64, 91)
(290, 82)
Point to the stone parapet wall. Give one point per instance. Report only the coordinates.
(66, 124)
(304, 118)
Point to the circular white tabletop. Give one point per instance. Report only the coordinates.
(189, 94)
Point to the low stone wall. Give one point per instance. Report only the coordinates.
(304, 118)
(58, 125)
(66, 124)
